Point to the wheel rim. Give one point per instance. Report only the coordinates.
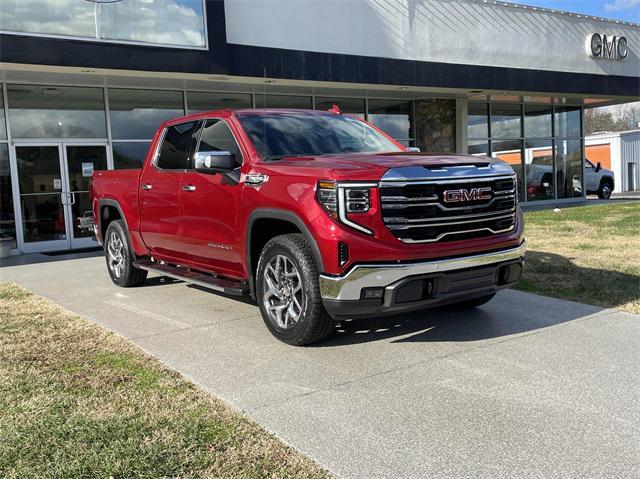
(282, 292)
(115, 255)
(606, 191)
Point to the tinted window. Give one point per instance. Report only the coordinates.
(174, 153)
(297, 134)
(37, 111)
(129, 155)
(217, 136)
(136, 114)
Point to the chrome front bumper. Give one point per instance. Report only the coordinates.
(349, 286)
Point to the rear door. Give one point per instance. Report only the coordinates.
(160, 192)
(210, 206)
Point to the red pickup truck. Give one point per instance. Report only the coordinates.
(317, 215)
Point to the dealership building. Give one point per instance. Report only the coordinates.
(84, 85)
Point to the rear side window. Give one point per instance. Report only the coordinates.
(217, 136)
(176, 146)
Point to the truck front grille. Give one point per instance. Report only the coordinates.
(416, 211)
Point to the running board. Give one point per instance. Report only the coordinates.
(217, 283)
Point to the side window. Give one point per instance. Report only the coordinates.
(176, 146)
(588, 164)
(217, 136)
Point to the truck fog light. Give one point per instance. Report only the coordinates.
(372, 293)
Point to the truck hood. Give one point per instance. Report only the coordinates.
(372, 166)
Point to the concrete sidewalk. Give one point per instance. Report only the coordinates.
(525, 386)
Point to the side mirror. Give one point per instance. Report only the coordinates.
(598, 166)
(213, 162)
(413, 149)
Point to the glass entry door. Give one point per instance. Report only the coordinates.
(53, 184)
(80, 162)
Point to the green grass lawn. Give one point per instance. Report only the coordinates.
(589, 254)
(77, 401)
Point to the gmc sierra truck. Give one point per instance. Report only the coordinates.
(318, 216)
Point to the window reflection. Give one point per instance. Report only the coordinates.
(567, 122)
(3, 125)
(129, 155)
(166, 22)
(137, 114)
(478, 121)
(539, 169)
(394, 117)
(479, 147)
(537, 121)
(204, 101)
(7, 217)
(54, 17)
(511, 152)
(283, 101)
(505, 120)
(569, 168)
(349, 106)
(56, 112)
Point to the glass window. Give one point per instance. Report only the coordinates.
(506, 120)
(59, 17)
(7, 217)
(3, 124)
(478, 121)
(205, 101)
(168, 22)
(176, 146)
(128, 156)
(297, 134)
(538, 157)
(567, 121)
(478, 147)
(37, 111)
(137, 114)
(569, 168)
(537, 121)
(350, 106)
(394, 117)
(217, 136)
(283, 101)
(511, 152)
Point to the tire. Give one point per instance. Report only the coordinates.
(119, 257)
(288, 292)
(474, 303)
(605, 190)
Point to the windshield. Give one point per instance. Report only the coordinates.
(277, 135)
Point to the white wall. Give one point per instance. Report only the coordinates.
(451, 31)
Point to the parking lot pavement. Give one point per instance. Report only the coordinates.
(525, 386)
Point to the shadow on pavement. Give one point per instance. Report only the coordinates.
(505, 315)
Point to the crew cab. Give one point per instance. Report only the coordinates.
(317, 215)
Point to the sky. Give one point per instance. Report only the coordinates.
(627, 10)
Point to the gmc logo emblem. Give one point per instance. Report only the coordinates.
(463, 195)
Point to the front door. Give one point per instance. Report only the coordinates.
(209, 214)
(53, 191)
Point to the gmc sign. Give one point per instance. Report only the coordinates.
(463, 195)
(609, 47)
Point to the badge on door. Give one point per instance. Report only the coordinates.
(57, 184)
(87, 169)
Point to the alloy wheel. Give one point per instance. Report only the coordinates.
(282, 293)
(115, 253)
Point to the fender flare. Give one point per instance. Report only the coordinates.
(282, 215)
(110, 202)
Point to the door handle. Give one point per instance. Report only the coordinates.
(146, 186)
(72, 195)
(188, 188)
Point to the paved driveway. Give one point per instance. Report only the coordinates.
(525, 386)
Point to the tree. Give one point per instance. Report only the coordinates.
(598, 120)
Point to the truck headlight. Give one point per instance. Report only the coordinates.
(344, 201)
